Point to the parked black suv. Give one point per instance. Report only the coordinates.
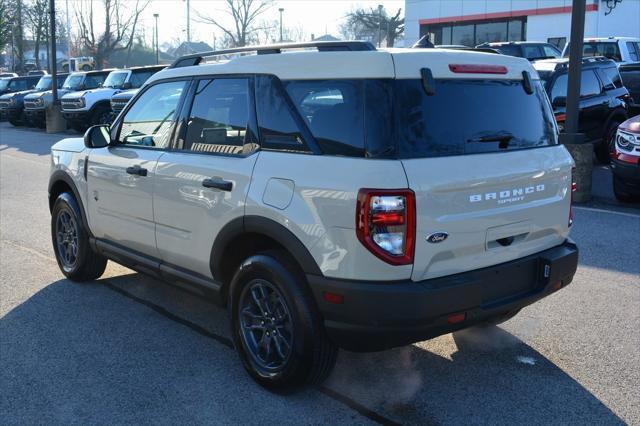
(603, 99)
(16, 84)
(531, 50)
(12, 104)
(630, 73)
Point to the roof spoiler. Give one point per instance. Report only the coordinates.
(321, 46)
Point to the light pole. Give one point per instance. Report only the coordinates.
(155, 15)
(188, 28)
(281, 10)
(380, 7)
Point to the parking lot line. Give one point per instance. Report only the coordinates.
(593, 209)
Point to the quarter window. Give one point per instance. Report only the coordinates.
(150, 119)
(589, 84)
(634, 54)
(219, 118)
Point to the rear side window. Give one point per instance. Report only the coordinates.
(471, 116)
(589, 85)
(219, 117)
(334, 112)
(634, 54)
(532, 51)
(278, 128)
(608, 49)
(611, 77)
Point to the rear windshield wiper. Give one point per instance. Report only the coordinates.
(502, 138)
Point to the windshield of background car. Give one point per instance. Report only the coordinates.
(608, 49)
(73, 82)
(4, 82)
(115, 80)
(44, 83)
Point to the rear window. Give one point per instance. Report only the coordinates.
(471, 116)
(608, 49)
(396, 119)
(509, 50)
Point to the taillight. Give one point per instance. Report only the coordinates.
(386, 223)
(561, 118)
(574, 188)
(477, 69)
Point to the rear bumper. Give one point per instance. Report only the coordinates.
(381, 315)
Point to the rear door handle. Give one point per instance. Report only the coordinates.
(137, 170)
(218, 183)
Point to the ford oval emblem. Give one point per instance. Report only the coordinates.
(437, 237)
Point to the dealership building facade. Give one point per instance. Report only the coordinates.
(472, 22)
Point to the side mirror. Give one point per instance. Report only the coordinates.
(559, 101)
(97, 136)
(127, 86)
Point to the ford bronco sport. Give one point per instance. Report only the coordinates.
(345, 197)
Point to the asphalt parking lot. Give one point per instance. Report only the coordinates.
(130, 349)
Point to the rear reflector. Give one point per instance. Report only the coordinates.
(456, 318)
(477, 69)
(336, 299)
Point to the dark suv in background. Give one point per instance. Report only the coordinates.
(630, 73)
(603, 99)
(530, 50)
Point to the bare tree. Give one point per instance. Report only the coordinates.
(244, 14)
(6, 12)
(374, 24)
(117, 32)
(37, 19)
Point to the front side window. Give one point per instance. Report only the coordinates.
(93, 81)
(219, 118)
(139, 77)
(17, 85)
(115, 80)
(44, 83)
(150, 119)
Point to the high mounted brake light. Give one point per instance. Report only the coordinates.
(386, 223)
(477, 69)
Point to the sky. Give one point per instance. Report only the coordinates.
(313, 16)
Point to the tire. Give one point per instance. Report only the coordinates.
(302, 353)
(70, 240)
(606, 147)
(65, 68)
(619, 191)
(102, 115)
(86, 67)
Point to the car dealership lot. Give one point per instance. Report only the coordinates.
(128, 348)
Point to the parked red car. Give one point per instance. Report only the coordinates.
(625, 161)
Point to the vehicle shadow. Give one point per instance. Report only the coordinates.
(30, 139)
(84, 353)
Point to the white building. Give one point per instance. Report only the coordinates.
(472, 22)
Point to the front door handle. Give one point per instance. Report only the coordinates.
(137, 170)
(218, 183)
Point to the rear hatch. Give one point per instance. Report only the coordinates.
(481, 155)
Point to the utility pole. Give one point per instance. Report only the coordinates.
(52, 40)
(155, 15)
(281, 10)
(68, 32)
(380, 7)
(188, 28)
(574, 142)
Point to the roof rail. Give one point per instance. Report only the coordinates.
(322, 46)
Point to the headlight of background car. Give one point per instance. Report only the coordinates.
(39, 102)
(12, 101)
(625, 141)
